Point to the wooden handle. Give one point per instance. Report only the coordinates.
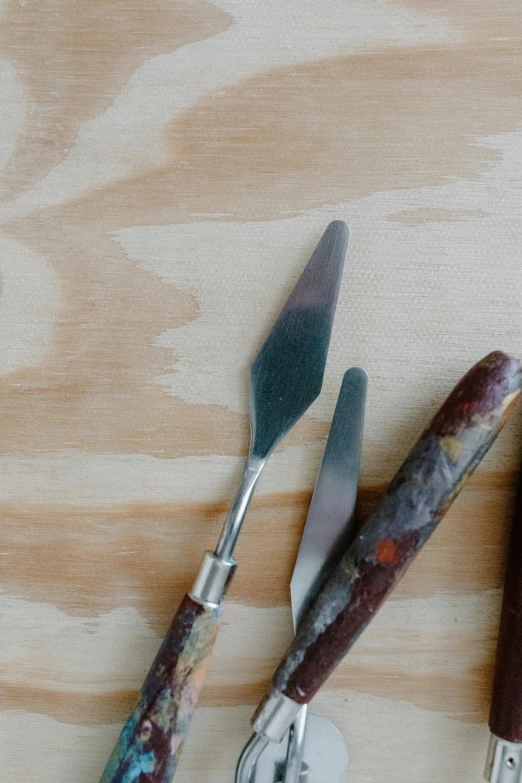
(505, 719)
(150, 743)
(421, 492)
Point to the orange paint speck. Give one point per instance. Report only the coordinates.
(387, 552)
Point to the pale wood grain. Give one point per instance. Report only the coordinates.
(166, 170)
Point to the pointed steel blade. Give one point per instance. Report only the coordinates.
(329, 528)
(287, 374)
(330, 523)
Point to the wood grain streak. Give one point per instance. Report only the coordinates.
(464, 697)
(147, 555)
(75, 57)
(416, 217)
(73, 399)
(421, 99)
(168, 167)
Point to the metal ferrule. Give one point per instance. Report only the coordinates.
(275, 715)
(212, 580)
(504, 761)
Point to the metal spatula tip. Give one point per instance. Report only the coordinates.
(339, 226)
(287, 374)
(335, 239)
(356, 374)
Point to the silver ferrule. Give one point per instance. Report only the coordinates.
(275, 715)
(504, 761)
(212, 580)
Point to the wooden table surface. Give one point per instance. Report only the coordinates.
(167, 168)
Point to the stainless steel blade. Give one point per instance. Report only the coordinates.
(313, 745)
(329, 526)
(330, 523)
(287, 374)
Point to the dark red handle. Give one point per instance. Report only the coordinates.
(421, 492)
(150, 743)
(505, 719)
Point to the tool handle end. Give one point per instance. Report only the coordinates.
(153, 735)
(505, 720)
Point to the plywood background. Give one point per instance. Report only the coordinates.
(167, 168)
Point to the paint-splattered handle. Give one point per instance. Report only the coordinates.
(431, 477)
(150, 743)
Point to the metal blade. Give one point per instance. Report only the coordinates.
(328, 530)
(287, 374)
(330, 523)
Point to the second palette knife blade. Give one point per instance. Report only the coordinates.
(329, 528)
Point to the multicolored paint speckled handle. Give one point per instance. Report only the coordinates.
(421, 492)
(150, 743)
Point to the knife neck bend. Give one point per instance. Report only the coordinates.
(218, 568)
(232, 527)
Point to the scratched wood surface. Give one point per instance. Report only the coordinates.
(167, 168)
